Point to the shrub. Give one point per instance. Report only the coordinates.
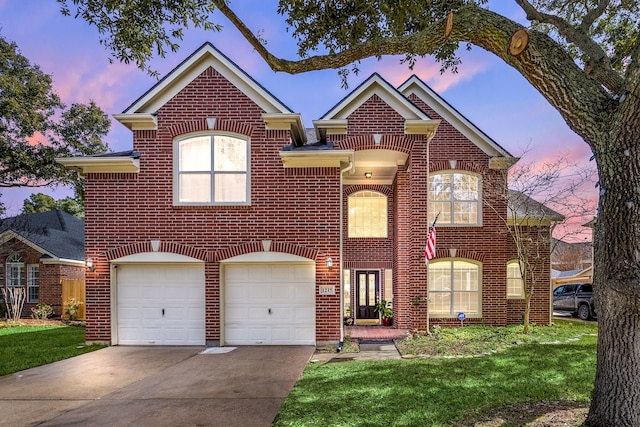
(72, 307)
(42, 311)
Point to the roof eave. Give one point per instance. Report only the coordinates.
(138, 121)
(316, 159)
(287, 121)
(85, 165)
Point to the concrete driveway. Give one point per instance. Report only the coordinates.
(155, 386)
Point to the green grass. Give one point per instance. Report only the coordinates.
(474, 340)
(25, 347)
(445, 391)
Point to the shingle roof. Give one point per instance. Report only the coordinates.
(526, 207)
(59, 233)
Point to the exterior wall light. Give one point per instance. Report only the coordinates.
(90, 265)
(368, 175)
(330, 263)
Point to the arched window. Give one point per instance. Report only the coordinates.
(211, 170)
(515, 286)
(15, 271)
(454, 287)
(456, 196)
(367, 214)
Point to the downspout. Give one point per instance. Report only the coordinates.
(341, 343)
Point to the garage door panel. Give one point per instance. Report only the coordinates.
(303, 315)
(281, 293)
(145, 290)
(303, 274)
(251, 290)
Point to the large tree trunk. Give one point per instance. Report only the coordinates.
(616, 394)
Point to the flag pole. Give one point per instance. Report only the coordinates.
(433, 226)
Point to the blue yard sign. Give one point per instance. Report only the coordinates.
(461, 317)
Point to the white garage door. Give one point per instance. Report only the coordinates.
(160, 304)
(269, 304)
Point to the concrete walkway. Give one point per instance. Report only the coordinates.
(155, 386)
(368, 351)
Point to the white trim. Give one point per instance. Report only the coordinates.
(375, 85)
(316, 159)
(10, 234)
(156, 257)
(480, 291)
(479, 202)
(63, 261)
(85, 165)
(138, 121)
(331, 126)
(415, 86)
(290, 122)
(205, 57)
(211, 135)
(267, 257)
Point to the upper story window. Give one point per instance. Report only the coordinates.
(211, 170)
(454, 287)
(456, 196)
(367, 214)
(515, 286)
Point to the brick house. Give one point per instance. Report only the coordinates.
(37, 252)
(229, 223)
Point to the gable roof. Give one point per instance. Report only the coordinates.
(142, 113)
(334, 121)
(55, 234)
(528, 209)
(415, 86)
(204, 57)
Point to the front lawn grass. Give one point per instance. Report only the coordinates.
(24, 347)
(445, 391)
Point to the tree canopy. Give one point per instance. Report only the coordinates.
(40, 202)
(583, 56)
(36, 126)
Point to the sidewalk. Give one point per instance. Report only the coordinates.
(368, 351)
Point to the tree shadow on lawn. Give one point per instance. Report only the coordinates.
(440, 392)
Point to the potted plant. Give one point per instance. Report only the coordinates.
(383, 308)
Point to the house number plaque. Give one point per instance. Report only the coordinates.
(327, 290)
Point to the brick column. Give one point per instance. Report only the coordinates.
(419, 184)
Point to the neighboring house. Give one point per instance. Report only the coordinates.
(573, 276)
(568, 256)
(227, 225)
(37, 252)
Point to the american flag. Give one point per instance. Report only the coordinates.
(430, 248)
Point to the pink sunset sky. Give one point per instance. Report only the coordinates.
(486, 91)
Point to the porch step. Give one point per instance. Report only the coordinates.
(375, 333)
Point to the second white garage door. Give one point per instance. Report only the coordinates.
(160, 304)
(269, 304)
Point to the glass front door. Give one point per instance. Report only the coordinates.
(368, 285)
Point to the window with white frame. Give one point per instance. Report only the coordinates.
(33, 283)
(15, 271)
(211, 170)
(515, 285)
(456, 197)
(367, 214)
(454, 287)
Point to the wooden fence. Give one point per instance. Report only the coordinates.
(74, 289)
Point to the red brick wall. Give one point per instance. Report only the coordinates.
(296, 207)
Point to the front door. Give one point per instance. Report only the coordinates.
(368, 285)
